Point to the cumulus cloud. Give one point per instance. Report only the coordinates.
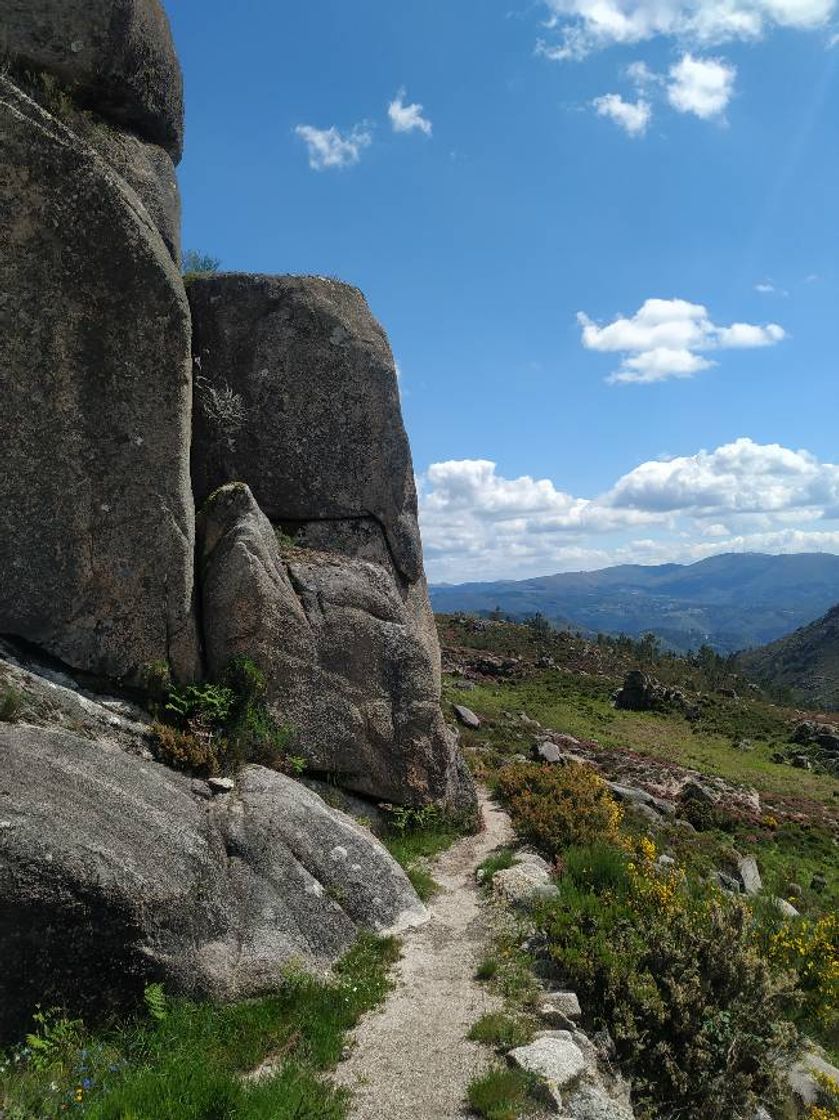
(581, 26)
(702, 86)
(407, 118)
(632, 116)
(330, 148)
(666, 338)
(739, 497)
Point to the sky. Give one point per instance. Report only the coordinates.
(602, 235)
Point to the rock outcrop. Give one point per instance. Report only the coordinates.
(320, 440)
(347, 671)
(96, 513)
(114, 870)
(115, 56)
(642, 693)
(115, 873)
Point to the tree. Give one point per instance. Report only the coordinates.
(196, 264)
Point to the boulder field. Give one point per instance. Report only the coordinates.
(189, 473)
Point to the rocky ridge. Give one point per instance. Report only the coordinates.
(271, 404)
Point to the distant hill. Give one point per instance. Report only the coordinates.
(805, 663)
(732, 602)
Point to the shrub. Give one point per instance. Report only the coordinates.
(219, 727)
(193, 752)
(11, 705)
(210, 703)
(223, 409)
(809, 948)
(553, 807)
(196, 264)
(678, 979)
(827, 1107)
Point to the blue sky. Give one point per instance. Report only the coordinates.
(605, 248)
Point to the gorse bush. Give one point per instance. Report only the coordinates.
(809, 948)
(553, 807)
(676, 976)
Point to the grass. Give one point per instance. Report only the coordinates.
(414, 838)
(582, 707)
(189, 1064)
(498, 861)
(11, 705)
(503, 1031)
(797, 846)
(500, 1094)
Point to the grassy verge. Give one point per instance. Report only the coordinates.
(416, 836)
(187, 1061)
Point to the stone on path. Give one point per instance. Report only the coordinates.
(556, 1060)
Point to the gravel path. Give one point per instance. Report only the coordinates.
(411, 1058)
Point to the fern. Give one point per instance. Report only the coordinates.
(156, 1002)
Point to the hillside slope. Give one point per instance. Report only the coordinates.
(731, 602)
(806, 663)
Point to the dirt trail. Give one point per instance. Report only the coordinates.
(411, 1058)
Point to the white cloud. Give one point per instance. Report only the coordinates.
(742, 496)
(582, 26)
(666, 338)
(702, 86)
(740, 477)
(632, 116)
(407, 118)
(330, 148)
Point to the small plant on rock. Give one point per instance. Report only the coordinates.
(11, 705)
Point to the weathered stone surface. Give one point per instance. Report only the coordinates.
(346, 670)
(466, 716)
(592, 1102)
(523, 884)
(114, 56)
(46, 697)
(749, 875)
(322, 444)
(150, 172)
(560, 1003)
(785, 908)
(642, 693)
(96, 513)
(555, 1060)
(114, 872)
(803, 1076)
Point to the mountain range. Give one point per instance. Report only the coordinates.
(731, 602)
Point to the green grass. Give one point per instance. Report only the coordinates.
(498, 861)
(500, 1094)
(503, 1031)
(582, 706)
(189, 1064)
(417, 839)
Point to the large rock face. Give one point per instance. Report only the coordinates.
(96, 513)
(321, 441)
(347, 668)
(115, 872)
(116, 56)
